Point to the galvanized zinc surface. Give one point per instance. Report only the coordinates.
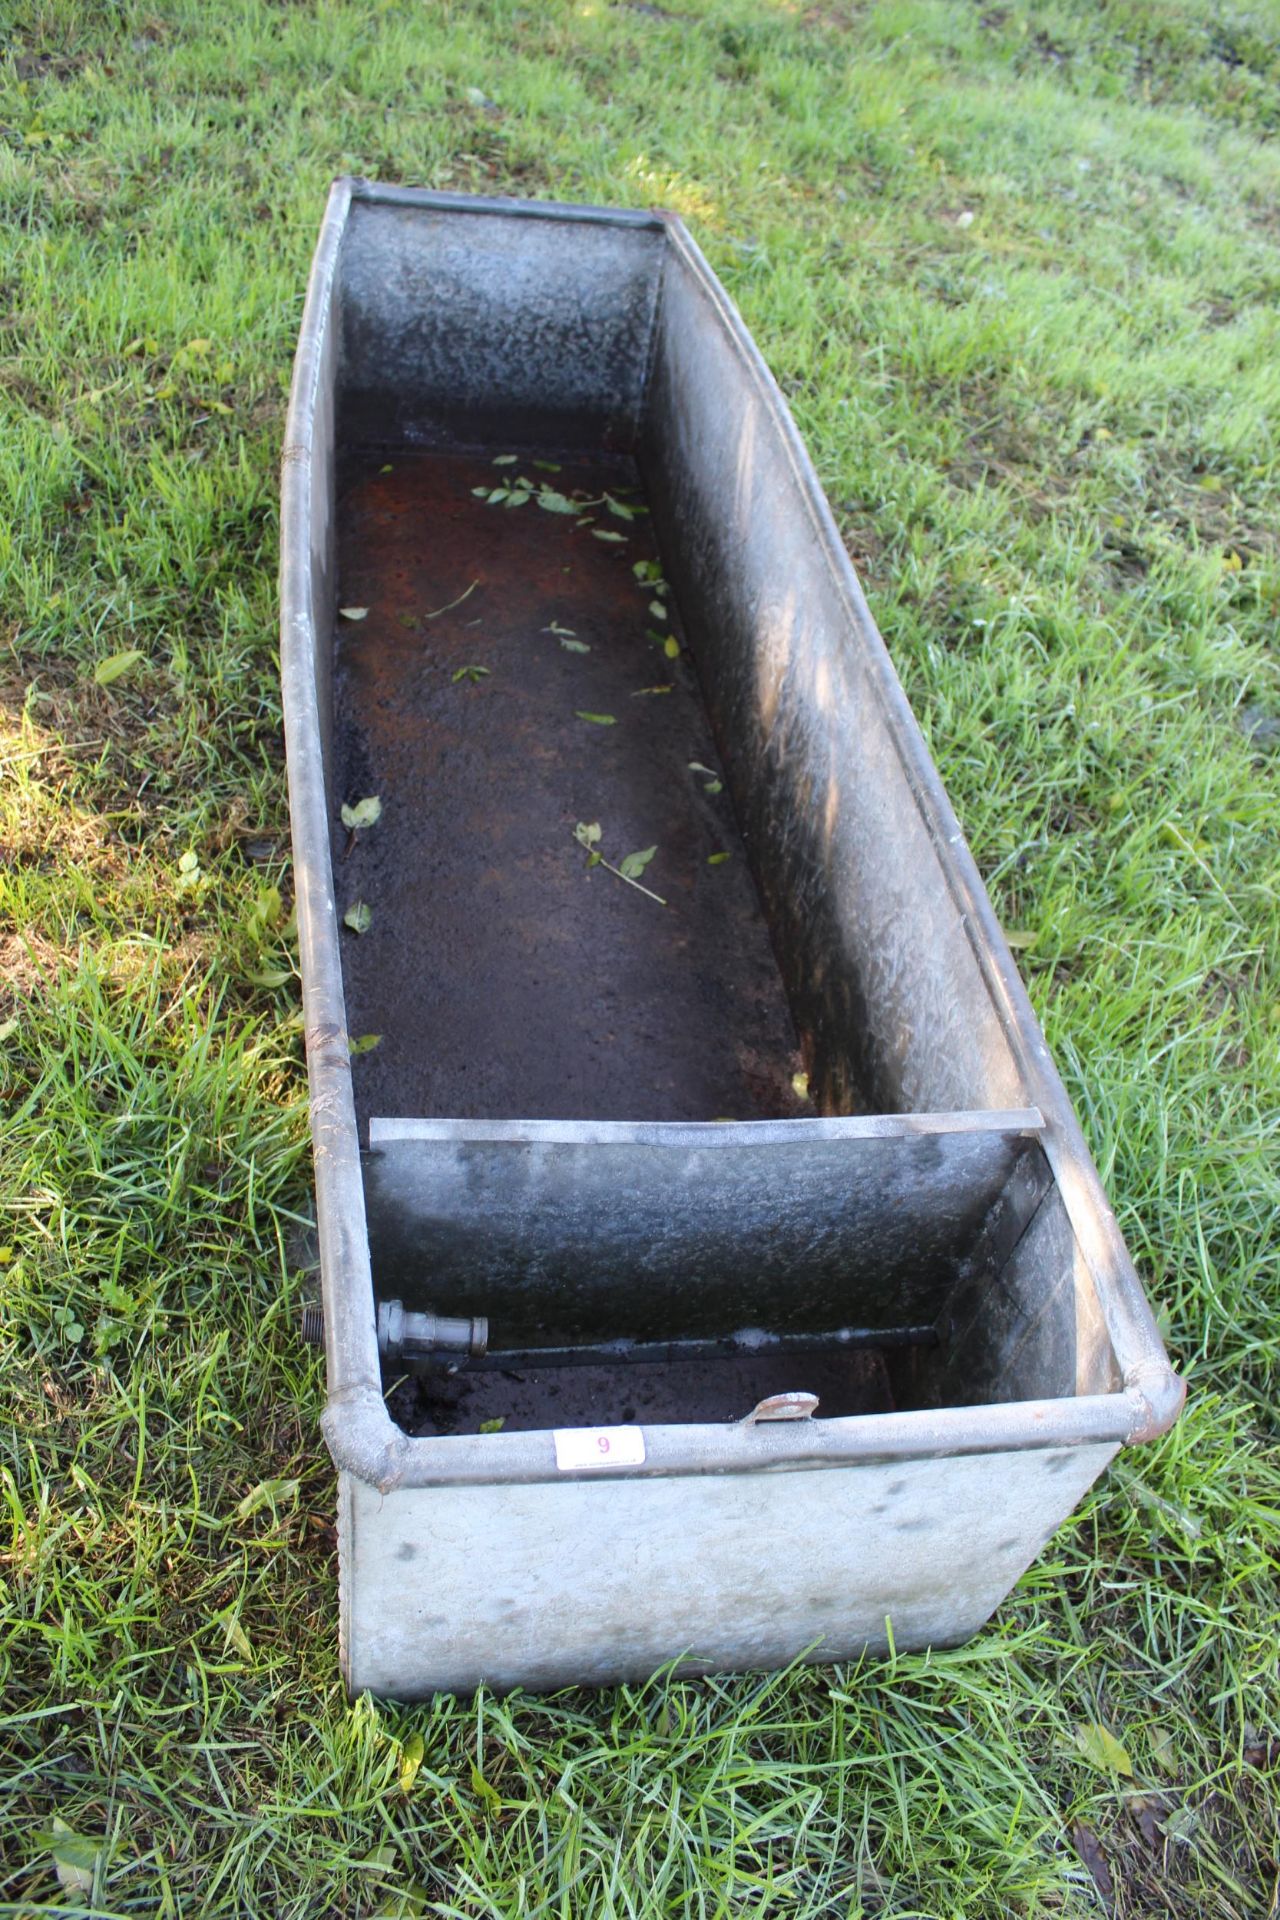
(560, 1232)
(581, 1581)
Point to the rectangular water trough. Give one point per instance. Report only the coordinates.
(713, 1268)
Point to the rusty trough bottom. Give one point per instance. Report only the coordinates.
(503, 976)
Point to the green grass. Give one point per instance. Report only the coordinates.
(1049, 431)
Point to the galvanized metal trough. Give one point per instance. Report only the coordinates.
(713, 1268)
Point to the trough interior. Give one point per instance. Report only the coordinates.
(676, 664)
(505, 975)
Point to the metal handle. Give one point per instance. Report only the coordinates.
(783, 1406)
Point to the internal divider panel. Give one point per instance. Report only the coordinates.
(569, 1232)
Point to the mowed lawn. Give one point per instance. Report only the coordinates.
(1016, 268)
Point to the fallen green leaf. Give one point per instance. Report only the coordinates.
(270, 976)
(411, 1757)
(634, 864)
(493, 1426)
(555, 502)
(657, 609)
(365, 813)
(574, 646)
(235, 1636)
(75, 1858)
(671, 647)
(588, 832)
(358, 917)
(354, 613)
(505, 459)
(603, 533)
(365, 1044)
(1099, 1746)
(717, 859)
(267, 1493)
(474, 674)
(596, 719)
(116, 665)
